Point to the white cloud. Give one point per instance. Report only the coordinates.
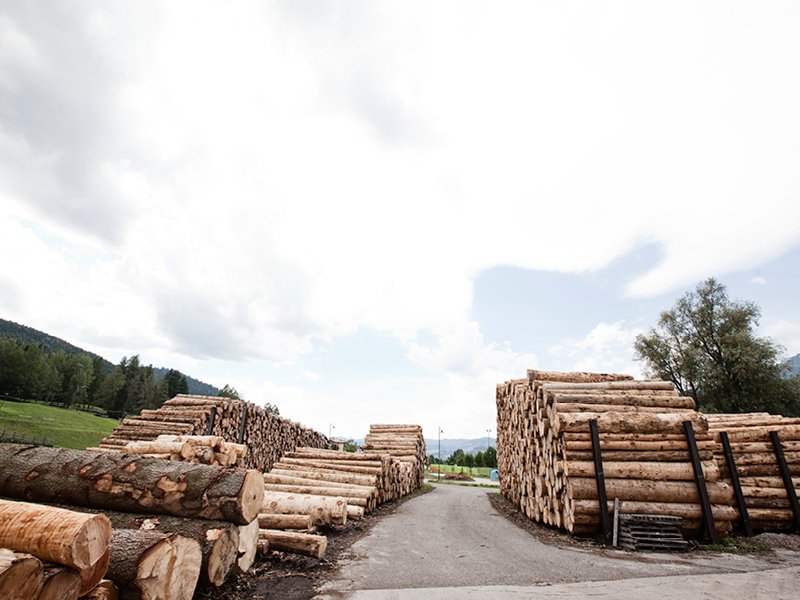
(785, 333)
(758, 281)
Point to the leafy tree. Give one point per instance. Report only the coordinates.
(479, 459)
(490, 458)
(707, 347)
(455, 458)
(230, 392)
(350, 446)
(272, 408)
(174, 383)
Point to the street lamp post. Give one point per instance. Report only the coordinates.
(439, 466)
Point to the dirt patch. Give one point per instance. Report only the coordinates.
(293, 577)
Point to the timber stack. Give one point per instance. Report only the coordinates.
(545, 452)
(199, 519)
(201, 449)
(266, 435)
(404, 443)
(753, 452)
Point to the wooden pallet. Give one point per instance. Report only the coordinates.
(651, 532)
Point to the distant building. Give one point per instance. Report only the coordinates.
(335, 443)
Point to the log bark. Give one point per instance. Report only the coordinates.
(322, 509)
(129, 483)
(644, 490)
(591, 508)
(643, 470)
(59, 583)
(53, 534)
(271, 521)
(295, 543)
(152, 565)
(20, 575)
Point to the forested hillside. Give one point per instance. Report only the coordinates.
(38, 366)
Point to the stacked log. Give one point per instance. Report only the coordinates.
(545, 452)
(198, 449)
(404, 443)
(185, 497)
(266, 435)
(76, 546)
(763, 488)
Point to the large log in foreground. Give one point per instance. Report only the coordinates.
(20, 575)
(152, 565)
(130, 483)
(54, 534)
(59, 583)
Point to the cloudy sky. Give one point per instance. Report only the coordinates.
(376, 211)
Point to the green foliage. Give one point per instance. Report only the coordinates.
(456, 458)
(272, 408)
(229, 392)
(174, 383)
(350, 446)
(490, 457)
(707, 347)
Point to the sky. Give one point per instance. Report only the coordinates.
(374, 212)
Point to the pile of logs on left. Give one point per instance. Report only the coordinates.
(192, 517)
(202, 449)
(267, 436)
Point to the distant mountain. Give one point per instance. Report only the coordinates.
(794, 364)
(49, 344)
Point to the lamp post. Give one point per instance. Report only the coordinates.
(332, 426)
(488, 444)
(439, 467)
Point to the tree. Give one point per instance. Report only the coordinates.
(350, 446)
(490, 458)
(706, 346)
(174, 383)
(229, 392)
(479, 460)
(455, 458)
(272, 408)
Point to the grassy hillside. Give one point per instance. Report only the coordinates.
(69, 428)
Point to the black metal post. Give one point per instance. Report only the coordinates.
(737, 487)
(708, 517)
(605, 522)
(243, 425)
(787, 477)
(211, 419)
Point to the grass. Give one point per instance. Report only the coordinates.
(474, 471)
(68, 428)
(736, 546)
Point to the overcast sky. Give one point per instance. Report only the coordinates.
(375, 211)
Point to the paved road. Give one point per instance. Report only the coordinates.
(453, 543)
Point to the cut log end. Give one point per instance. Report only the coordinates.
(170, 569)
(20, 574)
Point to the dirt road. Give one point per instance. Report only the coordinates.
(454, 538)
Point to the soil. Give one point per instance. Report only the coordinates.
(285, 576)
(292, 577)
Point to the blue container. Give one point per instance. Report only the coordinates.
(495, 474)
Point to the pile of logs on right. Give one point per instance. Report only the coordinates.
(547, 463)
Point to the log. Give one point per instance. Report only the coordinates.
(105, 590)
(295, 543)
(53, 534)
(184, 450)
(20, 575)
(322, 509)
(59, 583)
(620, 423)
(150, 564)
(591, 508)
(332, 477)
(644, 490)
(248, 545)
(92, 576)
(354, 497)
(643, 470)
(639, 455)
(271, 521)
(130, 483)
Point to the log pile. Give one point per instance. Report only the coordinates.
(50, 553)
(198, 449)
(266, 435)
(765, 494)
(194, 518)
(404, 443)
(545, 452)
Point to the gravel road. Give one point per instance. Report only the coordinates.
(453, 538)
